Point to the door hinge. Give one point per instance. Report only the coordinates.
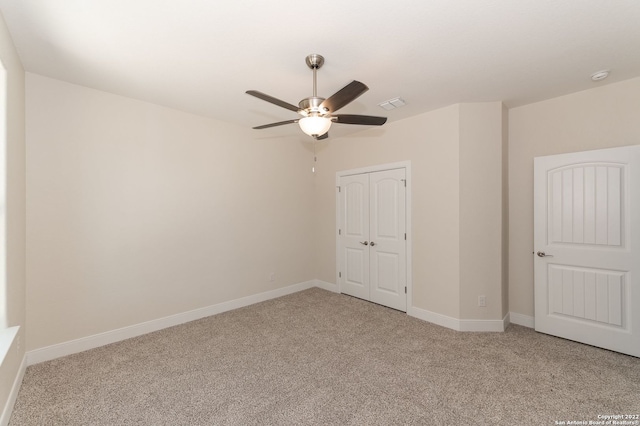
(405, 290)
(338, 188)
(339, 231)
(405, 182)
(339, 274)
(405, 236)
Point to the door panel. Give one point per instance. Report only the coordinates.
(587, 220)
(355, 231)
(587, 294)
(587, 204)
(388, 255)
(355, 267)
(387, 272)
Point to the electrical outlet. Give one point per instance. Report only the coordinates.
(272, 277)
(482, 301)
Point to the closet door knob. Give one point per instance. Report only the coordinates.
(365, 243)
(372, 244)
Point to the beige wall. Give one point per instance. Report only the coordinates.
(603, 117)
(15, 209)
(430, 142)
(481, 210)
(137, 212)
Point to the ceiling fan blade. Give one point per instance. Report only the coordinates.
(279, 123)
(367, 120)
(272, 100)
(319, 138)
(345, 95)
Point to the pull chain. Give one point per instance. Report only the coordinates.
(313, 168)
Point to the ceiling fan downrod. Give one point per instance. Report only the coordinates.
(315, 61)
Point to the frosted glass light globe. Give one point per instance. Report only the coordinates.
(315, 126)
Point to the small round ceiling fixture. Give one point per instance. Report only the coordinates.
(600, 75)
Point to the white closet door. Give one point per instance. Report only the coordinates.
(587, 247)
(388, 272)
(372, 249)
(354, 251)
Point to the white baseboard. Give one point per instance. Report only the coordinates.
(90, 342)
(484, 325)
(523, 320)
(13, 394)
(435, 318)
(326, 286)
(459, 324)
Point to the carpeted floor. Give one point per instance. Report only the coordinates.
(317, 357)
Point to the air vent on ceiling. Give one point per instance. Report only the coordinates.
(392, 104)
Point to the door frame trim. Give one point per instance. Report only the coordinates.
(406, 165)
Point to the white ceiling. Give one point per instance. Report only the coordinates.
(201, 56)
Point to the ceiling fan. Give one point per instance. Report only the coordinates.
(317, 113)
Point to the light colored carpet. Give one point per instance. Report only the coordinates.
(316, 357)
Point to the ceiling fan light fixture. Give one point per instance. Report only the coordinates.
(318, 113)
(315, 125)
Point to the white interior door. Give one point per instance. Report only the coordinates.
(372, 247)
(387, 247)
(587, 247)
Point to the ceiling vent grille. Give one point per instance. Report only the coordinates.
(392, 104)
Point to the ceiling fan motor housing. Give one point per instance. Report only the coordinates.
(312, 106)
